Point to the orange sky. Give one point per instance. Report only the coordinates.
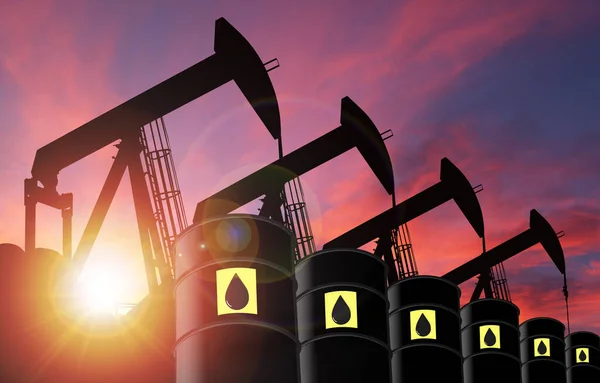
(502, 90)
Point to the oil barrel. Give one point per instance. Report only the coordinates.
(582, 353)
(490, 342)
(342, 317)
(425, 330)
(542, 351)
(235, 311)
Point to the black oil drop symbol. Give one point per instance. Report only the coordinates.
(341, 312)
(582, 356)
(423, 327)
(490, 338)
(542, 348)
(237, 294)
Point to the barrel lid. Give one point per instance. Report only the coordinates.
(341, 266)
(10, 249)
(317, 255)
(582, 338)
(232, 238)
(542, 326)
(246, 217)
(489, 309)
(424, 289)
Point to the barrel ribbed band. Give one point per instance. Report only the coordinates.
(582, 345)
(421, 305)
(340, 286)
(428, 345)
(561, 340)
(492, 353)
(230, 260)
(489, 321)
(544, 360)
(584, 365)
(269, 326)
(346, 335)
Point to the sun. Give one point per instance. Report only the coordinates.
(96, 292)
(100, 287)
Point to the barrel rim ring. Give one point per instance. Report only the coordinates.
(191, 333)
(582, 345)
(305, 260)
(558, 338)
(470, 304)
(583, 332)
(221, 217)
(347, 335)
(434, 345)
(205, 265)
(432, 277)
(545, 359)
(583, 365)
(398, 310)
(488, 321)
(530, 320)
(465, 358)
(351, 285)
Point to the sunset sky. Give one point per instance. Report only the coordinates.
(509, 91)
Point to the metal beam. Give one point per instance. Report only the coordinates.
(492, 257)
(405, 211)
(235, 59)
(107, 194)
(453, 185)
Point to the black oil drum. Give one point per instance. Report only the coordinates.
(425, 330)
(582, 353)
(235, 302)
(542, 351)
(490, 342)
(342, 317)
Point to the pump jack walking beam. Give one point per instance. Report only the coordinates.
(539, 231)
(234, 59)
(356, 130)
(453, 185)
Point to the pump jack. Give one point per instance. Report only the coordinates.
(234, 59)
(356, 131)
(453, 185)
(539, 231)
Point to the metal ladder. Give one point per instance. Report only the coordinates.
(167, 201)
(403, 252)
(499, 282)
(296, 218)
